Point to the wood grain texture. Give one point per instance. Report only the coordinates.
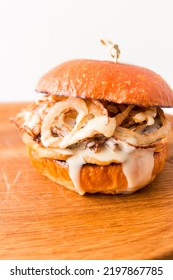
(41, 220)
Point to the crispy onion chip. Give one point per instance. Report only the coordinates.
(95, 109)
(144, 139)
(123, 115)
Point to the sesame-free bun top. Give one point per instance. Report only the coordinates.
(107, 80)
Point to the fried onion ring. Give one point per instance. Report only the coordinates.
(143, 139)
(123, 115)
(59, 108)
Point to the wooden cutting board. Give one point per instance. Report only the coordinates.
(42, 220)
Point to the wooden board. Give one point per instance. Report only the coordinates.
(42, 220)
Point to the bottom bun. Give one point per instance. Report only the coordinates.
(108, 179)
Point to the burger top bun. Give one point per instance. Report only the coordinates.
(107, 80)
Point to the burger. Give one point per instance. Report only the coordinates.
(98, 127)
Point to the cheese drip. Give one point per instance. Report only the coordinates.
(137, 164)
(138, 168)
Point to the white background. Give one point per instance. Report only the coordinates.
(36, 35)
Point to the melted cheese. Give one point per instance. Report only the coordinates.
(107, 155)
(75, 163)
(133, 161)
(138, 168)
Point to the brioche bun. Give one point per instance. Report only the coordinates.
(106, 80)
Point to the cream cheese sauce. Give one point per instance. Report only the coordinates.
(138, 167)
(106, 155)
(137, 164)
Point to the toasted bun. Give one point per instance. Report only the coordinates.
(108, 179)
(116, 82)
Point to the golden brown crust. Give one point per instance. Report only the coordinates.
(108, 179)
(116, 82)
